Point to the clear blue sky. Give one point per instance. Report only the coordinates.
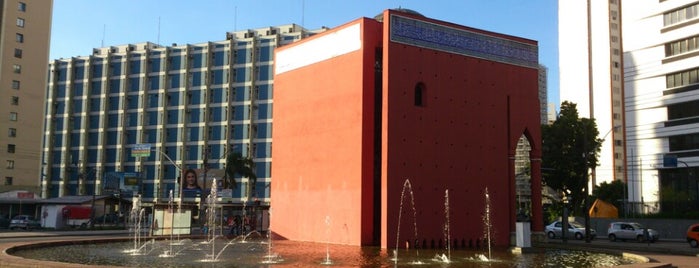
(81, 25)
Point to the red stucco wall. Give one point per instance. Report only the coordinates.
(322, 129)
(461, 141)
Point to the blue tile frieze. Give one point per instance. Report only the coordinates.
(459, 41)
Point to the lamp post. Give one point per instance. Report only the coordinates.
(564, 218)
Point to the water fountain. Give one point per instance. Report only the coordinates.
(406, 186)
(252, 249)
(327, 260)
(488, 225)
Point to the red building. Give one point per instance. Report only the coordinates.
(363, 108)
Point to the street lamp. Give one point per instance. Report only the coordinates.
(564, 218)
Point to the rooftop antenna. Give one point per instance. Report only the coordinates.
(104, 32)
(158, 30)
(235, 19)
(303, 12)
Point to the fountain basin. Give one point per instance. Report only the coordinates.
(256, 252)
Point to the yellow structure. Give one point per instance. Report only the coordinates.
(601, 209)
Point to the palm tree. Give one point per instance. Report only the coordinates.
(237, 164)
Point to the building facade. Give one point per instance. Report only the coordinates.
(184, 106)
(661, 59)
(591, 75)
(25, 33)
(404, 122)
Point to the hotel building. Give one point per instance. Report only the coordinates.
(187, 105)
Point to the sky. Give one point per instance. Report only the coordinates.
(81, 25)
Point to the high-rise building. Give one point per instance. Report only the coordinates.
(661, 73)
(184, 106)
(591, 75)
(24, 40)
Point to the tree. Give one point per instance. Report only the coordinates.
(570, 148)
(237, 164)
(612, 193)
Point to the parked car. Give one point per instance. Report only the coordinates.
(4, 222)
(631, 231)
(24, 222)
(110, 218)
(576, 230)
(693, 235)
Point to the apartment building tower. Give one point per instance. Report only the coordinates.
(661, 70)
(591, 75)
(191, 104)
(24, 51)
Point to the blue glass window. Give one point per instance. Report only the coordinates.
(242, 74)
(264, 72)
(240, 131)
(116, 68)
(131, 136)
(195, 97)
(134, 84)
(220, 58)
(197, 79)
(242, 94)
(217, 77)
(266, 53)
(77, 106)
(61, 91)
(195, 115)
(78, 89)
(174, 98)
(77, 122)
(240, 112)
(114, 103)
(92, 155)
(112, 137)
(154, 82)
(175, 63)
(135, 66)
(262, 170)
(175, 80)
(263, 150)
(217, 114)
(193, 153)
(95, 105)
(195, 134)
(96, 87)
(132, 119)
(172, 135)
(62, 74)
(151, 135)
(79, 72)
(173, 116)
(216, 152)
(132, 101)
(242, 56)
(97, 70)
(218, 95)
(74, 139)
(153, 118)
(60, 107)
(264, 111)
(153, 100)
(58, 141)
(155, 64)
(217, 133)
(92, 138)
(59, 123)
(111, 155)
(198, 60)
(113, 120)
(264, 130)
(114, 85)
